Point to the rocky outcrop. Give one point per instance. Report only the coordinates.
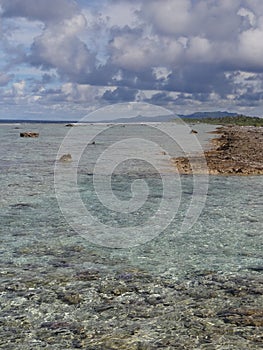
(66, 158)
(237, 151)
(29, 134)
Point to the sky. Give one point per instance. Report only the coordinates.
(62, 59)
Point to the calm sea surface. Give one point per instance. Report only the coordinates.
(36, 236)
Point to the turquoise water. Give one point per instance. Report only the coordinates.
(37, 238)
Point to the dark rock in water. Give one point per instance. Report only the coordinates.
(125, 276)
(62, 263)
(104, 307)
(66, 158)
(243, 317)
(21, 206)
(256, 268)
(87, 275)
(56, 325)
(29, 134)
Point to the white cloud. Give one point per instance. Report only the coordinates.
(168, 16)
(79, 93)
(161, 73)
(134, 52)
(251, 17)
(251, 46)
(18, 88)
(121, 14)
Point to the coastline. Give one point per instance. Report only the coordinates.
(238, 150)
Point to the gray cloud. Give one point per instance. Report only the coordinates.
(5, 79)
(59, 47)
(42, 10)
(120, 95)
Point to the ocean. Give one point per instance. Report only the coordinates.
(118, 211)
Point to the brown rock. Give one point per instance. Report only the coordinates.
(29, 134)
(70, 298)
(66, 158)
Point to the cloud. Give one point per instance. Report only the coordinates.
(136, 51)
(5, 79)
(18, 88)
(251, 47)
(79, 93)
(59, 47)
(172, 17)
(45, 11)
(120, 95)
(174, 52)
(121, 14)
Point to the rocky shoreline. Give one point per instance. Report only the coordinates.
(237, 151)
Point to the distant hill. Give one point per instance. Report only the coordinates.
(216, 114)
(170, 117)
(228, 120)
(142, 119)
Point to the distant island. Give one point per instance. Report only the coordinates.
(241, 120)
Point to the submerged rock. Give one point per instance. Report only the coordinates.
(70, 298)
(66, 158)
(97, 310)
(243, 317)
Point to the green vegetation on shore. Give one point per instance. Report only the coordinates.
(234, 120)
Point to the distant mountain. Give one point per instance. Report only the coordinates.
(216, 114)
(141, 119)
(170, 117)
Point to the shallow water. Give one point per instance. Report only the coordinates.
(226, 237)
(71, 281)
